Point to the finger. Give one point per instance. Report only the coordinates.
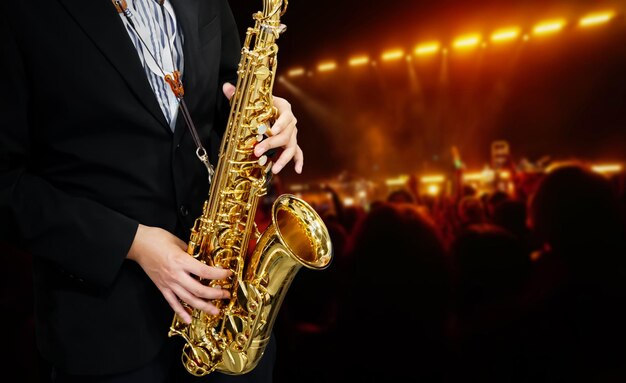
(285, 120)
(276, 141)
(181, 244)
(176, 306)
(286, 156)
(229, 90)
(199, 269)
(201, 291)
(194, 301)
(299, 160)
(282, 105)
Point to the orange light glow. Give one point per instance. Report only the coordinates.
(607, 168)
(359, 61)
(392, 55)
(505, 34)
(548, 27)
(399, 181)
(433, 179)
(505, 175)
(427, 48)
(433, 190)
(473, 176)
(327, 66)
(296, 72)
(596, 19)
(467, 41)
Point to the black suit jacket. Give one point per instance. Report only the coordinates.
(86, 155)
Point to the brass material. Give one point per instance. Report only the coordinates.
(233, 341)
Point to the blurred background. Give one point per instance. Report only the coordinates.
(468, 160)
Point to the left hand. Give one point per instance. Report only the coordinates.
(284, 134)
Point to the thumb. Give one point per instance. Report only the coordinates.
(229, 90)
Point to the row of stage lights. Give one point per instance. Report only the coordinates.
(435, 184)
(465, 42)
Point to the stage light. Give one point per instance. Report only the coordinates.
(505, 175)
(473, 177)
(327, 66)
(348, 201)
(433, 190)
(392, 55)
(398, 181)
(296, 72)
(607, 168)
(467, 41)
(594, 19)
(548, 27)
(298, 187)
(359, 61)
(433, 179)
(427, 48)
(505, 34)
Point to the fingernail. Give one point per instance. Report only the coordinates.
(187, 319)
(258, 151)
(215, 311)
(277, 169)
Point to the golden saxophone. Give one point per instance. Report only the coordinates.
(233, 341)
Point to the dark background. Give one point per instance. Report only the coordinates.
(561, 96)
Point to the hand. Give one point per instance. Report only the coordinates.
(284, 134)
(163, 257)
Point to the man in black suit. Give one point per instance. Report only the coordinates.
(100, 187)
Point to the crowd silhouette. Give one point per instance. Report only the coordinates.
(478, 287)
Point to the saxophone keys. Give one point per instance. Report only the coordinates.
(263, 160)
(262, 73)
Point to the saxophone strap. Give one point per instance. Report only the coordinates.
(173, 78)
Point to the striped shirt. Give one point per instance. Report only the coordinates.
(159, 32)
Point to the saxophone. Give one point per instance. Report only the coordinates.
(233, 341)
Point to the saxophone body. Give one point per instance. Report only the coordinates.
(233, 341)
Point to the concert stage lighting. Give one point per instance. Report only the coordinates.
(433, 179)
(327, 66)
(397, 181)
(607, 168)
(549, 27)
(598, 18)
(392, 55)
(429, 48)
(467, 41)
(296, 72)
(505, 34)
(359, 61)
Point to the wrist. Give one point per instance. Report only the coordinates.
(135, 249)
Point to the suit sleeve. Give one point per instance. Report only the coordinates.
(81, 237)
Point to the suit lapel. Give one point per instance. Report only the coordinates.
(102, 24)
(187, 15)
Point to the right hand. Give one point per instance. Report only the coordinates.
(164, 258)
